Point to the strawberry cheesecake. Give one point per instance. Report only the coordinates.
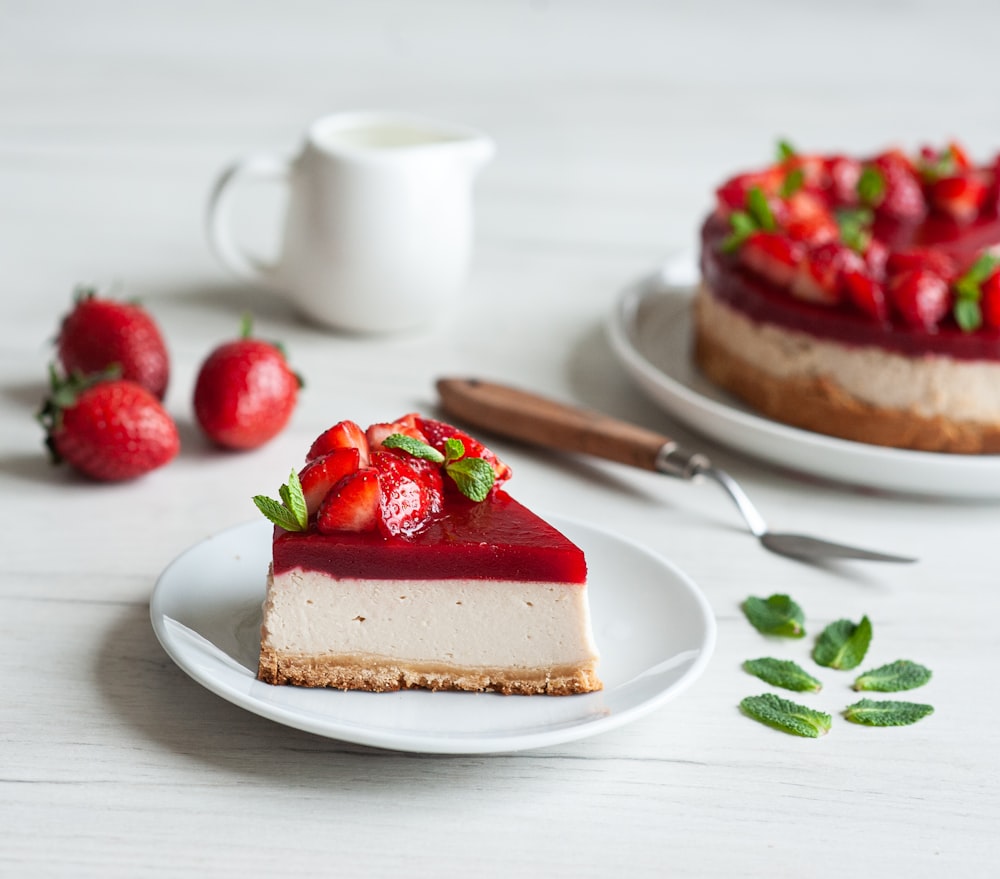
(399, 561)
(859, 297)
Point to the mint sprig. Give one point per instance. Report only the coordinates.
(855, 226)
(899, 675)
(787, 716)
(890, 713)
(290, 513)
(474, 477)
(843, 644)
(755, 217)
(969, 291)
(871, 186)
(775, 615)
(783, 673)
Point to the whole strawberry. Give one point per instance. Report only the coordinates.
(245, 392)
(108, 429)
(99, 333)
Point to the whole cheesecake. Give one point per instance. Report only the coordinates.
(407, 565)
(859, 298)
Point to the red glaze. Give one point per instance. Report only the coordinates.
(497, 539)
(744, 291)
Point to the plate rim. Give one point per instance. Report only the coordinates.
(673, 279)
(385, 738)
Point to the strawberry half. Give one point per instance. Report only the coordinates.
(935, 261)
(961, 198)
(809, 220)
(409, 495)
(902, 196)
(99, 333)
(818, 278)
(773, 256)
(109, 430)
(921, 297)
(343, 435)
(353, 504)
(866, 293)
(990, 302)
(437, 432)
(323, 473)
(407, 425)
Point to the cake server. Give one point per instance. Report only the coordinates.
(527, 417)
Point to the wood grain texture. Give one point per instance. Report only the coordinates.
(613, 123)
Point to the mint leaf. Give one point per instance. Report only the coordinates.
(786, 716)
(783, 673)
(899, 675)
(785, 151)
(454, 449)
(968, 314)
(413, 446)
(855, 227)
(743, 227)
(843, 644)
(969, 285)
(871, 713)
(871, 186)
(776, 615)
(760, 210)
(793, 182)
(291, 513)
(473, 476)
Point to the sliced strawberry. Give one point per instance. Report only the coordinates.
(438, 431)
(343, 435)
(732, 195)
(876, 257)
(902, 196)
(961, 198)
(921, 297)
(408, 497)
(772, 255)
(933, 260)
(353, 504)
(323, 473)
(866, 293)
(407, 425)
(818, 278)
(843, 175)
(809, 220)
(990, 302)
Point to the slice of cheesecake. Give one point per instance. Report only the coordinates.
(408, 566)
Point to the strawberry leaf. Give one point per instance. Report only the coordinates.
(473, 476)
(413, 446)
(843, 644)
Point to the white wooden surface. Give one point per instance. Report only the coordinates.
(613, 122)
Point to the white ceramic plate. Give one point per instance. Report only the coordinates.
(654, 628)
(650, 331)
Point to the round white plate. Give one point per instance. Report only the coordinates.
(654, 628)
(650, 331)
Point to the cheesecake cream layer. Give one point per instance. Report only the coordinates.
(509, 636)
(863, 393)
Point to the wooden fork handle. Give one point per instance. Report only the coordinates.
(524, 416)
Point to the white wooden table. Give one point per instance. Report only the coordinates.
(614, 122)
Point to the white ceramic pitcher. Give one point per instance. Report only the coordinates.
(378, 230)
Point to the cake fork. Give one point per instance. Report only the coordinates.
(528, 417)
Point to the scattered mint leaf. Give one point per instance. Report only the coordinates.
(760, 210)
(743, 227)
(776, 615)
(899, 675)
(783, 673)
(871, 186)
(786, 716)
(413, 446)
(843, 644)
(473, 476)
(290, 513)
(891, 713)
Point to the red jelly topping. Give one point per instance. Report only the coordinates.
(498, 539)
(761, 301)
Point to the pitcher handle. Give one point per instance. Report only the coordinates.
(268, 168)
